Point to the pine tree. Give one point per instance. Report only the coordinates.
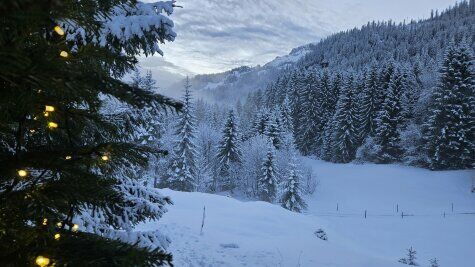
(434, 263)
(291, 198)
(267, 183)
(310, 122)
(183, 168)
(229, 152)
(411, 258)
(286, 116)
(390, 120)
(345, 135)
(273, 130)
(260, 122)
(149, 83)
(62, 160)
(451, 126)
(370, 105)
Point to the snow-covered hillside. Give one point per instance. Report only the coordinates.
(238, 233)
(238, 82)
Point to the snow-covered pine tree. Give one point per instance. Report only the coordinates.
(286, 116)
(181, 175)
(294, 93)
(390, 119)
(73, 166)
(310, 122)
(451, 126)
(345, 133)
(229, 152)
(370, 105)
(292, 196)
(261, 121)
(410, 95)
(267, 183)
(434, 262)
(411, 258)
(149, 83)
(273, 129)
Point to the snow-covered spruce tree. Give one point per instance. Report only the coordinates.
(434, 262)
(370, 105)
(411, 258)
(273, 130)
(267, 184)
(229, 153)
(181, 174)
(345, 133)
(286, 116)
(451, 125)
(261, 121)
(390, 119)
(291, 196)
(310, 122)
(59, 155)
(410, 95)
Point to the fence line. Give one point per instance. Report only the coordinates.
(401, 215)
(365, 213)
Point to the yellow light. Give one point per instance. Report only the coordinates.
(49, 108)
(58, 30)
(45, 221)
(75, 228)
(42, 261)
(52, 125)
(35, 118)
(46, 114)
(64, 54)
(22, 173)
(57, 236)
(68, 157)
(105, 158)
(59, 224)
(32, 131)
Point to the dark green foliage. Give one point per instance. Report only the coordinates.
(345, 134)
(451, 126)
(267, 183)
(229, 152)
(389, 121)
(66, 172)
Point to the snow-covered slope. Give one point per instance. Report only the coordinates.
(240, 233)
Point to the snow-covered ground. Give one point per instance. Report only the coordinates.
(240, 233)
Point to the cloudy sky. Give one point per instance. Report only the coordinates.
(218, 35)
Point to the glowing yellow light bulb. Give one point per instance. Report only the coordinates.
(57, 236)
(58, 30)
(52, 125)
(22, 173)
(64, 54)
(105, 158)
(59, 224)
(49, 108)
(68, 157)
(32, 131)
(75, 228)
(46, 114)
(45, 221)
(42, 261)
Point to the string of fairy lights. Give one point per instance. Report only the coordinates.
(42, 260)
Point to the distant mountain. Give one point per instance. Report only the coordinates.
(238, 82)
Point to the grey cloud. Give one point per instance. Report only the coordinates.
(216, 35)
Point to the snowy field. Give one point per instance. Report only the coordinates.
(240, 233)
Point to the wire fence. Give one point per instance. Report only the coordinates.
(366, 213)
